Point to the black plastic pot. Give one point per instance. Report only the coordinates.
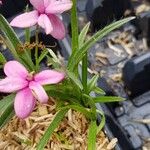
(10, 8)
(119, 117)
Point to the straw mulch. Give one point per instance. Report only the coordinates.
(70, 135)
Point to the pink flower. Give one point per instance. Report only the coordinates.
(45, 15)
(28, 86)
(0, 2)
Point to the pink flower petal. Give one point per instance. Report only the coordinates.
(49, 77)
(24, 103)
(15, 69)
(58, 6)
(38, 4)
(45, 23)
(38, 92)
(58, 27)
(46, 3)
(25, 20)
(9, 84)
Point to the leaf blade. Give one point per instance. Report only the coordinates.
(108, 99)
(92, 83)
(54, 124)
(92, 135)
(6, 108)
(10, 35)
(78, 55)
(83, 34)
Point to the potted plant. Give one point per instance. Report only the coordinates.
(65, 115)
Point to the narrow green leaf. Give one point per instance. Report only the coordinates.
(103, 120)
(28, 60)
(9, 45)
(85, 72)
(54, 124)
(82, 37)
(92, 83)
(63, 94)
(81, 109)
(59, 94)
(6, 108)
(107, 99)
(27, 30)
(54, 56)
(27, 35)
(2, 59)
(11, 40)
(98, 90)
(74, 79)
(74, 26)
(92, 135)
(90, 103)
(77, 56)
(43, 55)
(74, 32)
(10, 35)
(83, 34)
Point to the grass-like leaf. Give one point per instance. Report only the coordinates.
(2, 59)
(92, 135)
(82, 35)
(78, 108)
(74, 27)
(55, 58)
(102, 122)
(10, 35)
(77, 56)
(98, 90)
(54, 124)
(6, 109)
(74, 79)
(92, 83)
(107, 99)
(43, 55)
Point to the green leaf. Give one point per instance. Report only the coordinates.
(6, 109)
(92, 83)
(2, 59)
(42, 56)
(54, 124)
(90, 103)
(78, 108)
(92, 135)
(27, 60)
(63, 93)
(74, 32)
(107, 99)
(83, 34)
(77, 56)
(10, 35)
(27, 35)
(74, 27)
(103, 120)
(98, 90)
(54, 56)
(27, 30)
(74, 79)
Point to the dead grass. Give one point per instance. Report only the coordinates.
(70, 135)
